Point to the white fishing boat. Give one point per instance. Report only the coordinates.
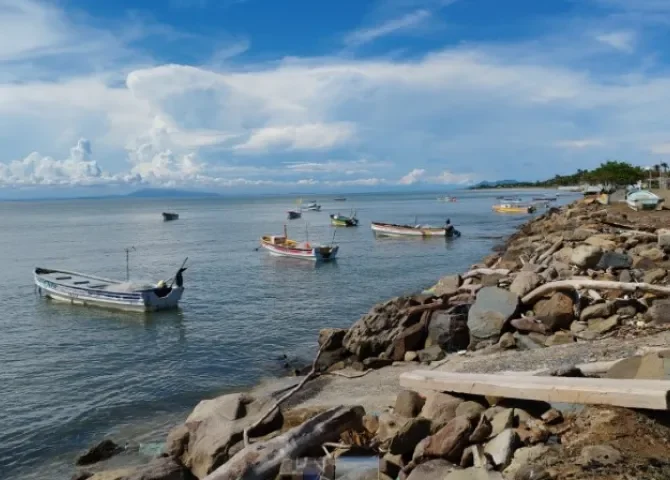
(282, 246)
(643, 200)
(89, 290)
(312, 207)
(394, 230)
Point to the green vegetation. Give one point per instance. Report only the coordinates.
(610, 173)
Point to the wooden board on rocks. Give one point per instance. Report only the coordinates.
(647, 394)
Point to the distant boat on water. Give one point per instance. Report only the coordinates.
(340, 199)
(167, 216)
(282, 246)
(513, 208)
(294, 214)
(89, 290)
(395, 230)
(344, 221)
(447, 198)
(313, 207)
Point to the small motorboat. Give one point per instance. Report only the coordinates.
(88, 290)
(545, 198)
(294, 214)
(344, 221)
(282, 246)
(395, 230)
(644, 200)
(313, 207)
(340, 199)
(447, 199)
(168, 216)
(513, 208)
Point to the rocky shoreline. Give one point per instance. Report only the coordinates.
(578, 291)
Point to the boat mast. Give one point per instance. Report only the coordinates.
(128, 250)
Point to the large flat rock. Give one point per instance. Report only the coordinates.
(493, 308)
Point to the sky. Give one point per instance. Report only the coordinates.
(267, 95)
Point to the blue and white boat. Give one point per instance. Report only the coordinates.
(88, 290)
(643, 200)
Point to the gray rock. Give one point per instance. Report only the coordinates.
(408, 404)
(474, 473)
(448, 285)
(432, 469)
(525, 456)
(577, 326)
(563, 256)
(388, 425)
(597, 310)
(627, 311)
(625, 276)
(507, 341)
(97, 453)
(603, 241)
(482, 431)
(501, 421)
(493, 308)
(470, 409)
(524, 282)
(603, 325)
(431, 354)
(440, 408)
(659, 312)
(532, 472)
(526, 324)
(552, 416)
(664, 239)
(163, 468)
(556, 312)
(559, 338)
(409, 435)
(411, 356)
(524, 342)
(215, 426)
(450, 441)
(501, 448)
(586, 256)
(655, 275)
(331, 338)
(580, 234)
(407, 340)
(599, 455)
(654, 254)
(449, 331)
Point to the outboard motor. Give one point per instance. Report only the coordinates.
(179, 278)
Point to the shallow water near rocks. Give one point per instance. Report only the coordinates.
(71, 375)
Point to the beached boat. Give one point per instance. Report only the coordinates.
(167, 216)
(293, 214)
(643, 200)
(344, 221)
(88, 290)
(281, 245)
(394, 230)
(313, 207)
(513, 208)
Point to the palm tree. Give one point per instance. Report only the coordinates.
(665, 168)
(657, 169)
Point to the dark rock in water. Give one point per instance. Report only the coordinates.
(97, 453)
(614, 261)
(449, 331)
(493, 308)
(331, 338)
(431, 354)
(556, 312)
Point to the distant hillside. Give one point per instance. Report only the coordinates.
(169, 193)
(496, 184)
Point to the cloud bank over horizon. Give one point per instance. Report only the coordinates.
(85, 102)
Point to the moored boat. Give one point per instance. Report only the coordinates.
(344, 221)
(545, 198)
(395, 230)
(513, 208)
(167, 216)
(447, 198)
(313, 207)
(643, 200)
(340, 199)
(281, 245)
(89, 290)
(293, 214)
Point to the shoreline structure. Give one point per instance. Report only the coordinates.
(580, 290)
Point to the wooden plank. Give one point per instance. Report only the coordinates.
(648, 394)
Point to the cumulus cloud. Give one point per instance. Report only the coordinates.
(316, 136)
(660, 149)
(412, 177)
(621, 40)
(450, 178)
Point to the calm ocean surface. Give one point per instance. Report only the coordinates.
(70, 376)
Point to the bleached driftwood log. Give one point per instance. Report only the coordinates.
(554, 248)
(579, 283)
(263, 459)
(485, 271)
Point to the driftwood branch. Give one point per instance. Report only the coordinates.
(485, 271)
(554, 248)
(625, 226)
(577, 283)
(346, 375)
(312, 373)
(263, 459)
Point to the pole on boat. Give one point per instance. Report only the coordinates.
(175, 275)
(306, 232)
(334, 232)
(285, 232)
(128, 250)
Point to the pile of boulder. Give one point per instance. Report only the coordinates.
(573, 274)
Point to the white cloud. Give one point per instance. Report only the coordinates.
(623, 40)
(661, 149)
(450, 178)
(580, 143)
(316, 136)
(345, 167)
(412, 177)
(406, 22)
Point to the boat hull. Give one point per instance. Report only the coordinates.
(137, 301)
(292, 215)
(389, 230)
(343, 221)
(317, 254)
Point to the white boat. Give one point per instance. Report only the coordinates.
(643, 200)
(312, 207)
(89, 290)
(393, 230)
(281, 246)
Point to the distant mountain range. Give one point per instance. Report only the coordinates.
(169, 193)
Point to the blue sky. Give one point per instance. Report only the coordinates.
(270, 96)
